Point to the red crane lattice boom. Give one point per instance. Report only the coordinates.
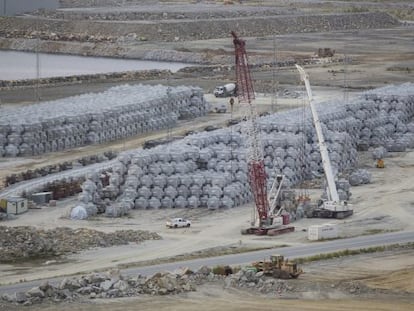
(256, 167)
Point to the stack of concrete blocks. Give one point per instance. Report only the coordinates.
(182, 175)
(117, 113)
(209, 169)
(396, 105)
(92, 197)
(343, 187)
(360, 177)
(379, 152)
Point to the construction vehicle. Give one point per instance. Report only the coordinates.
(226, 90)
(380, 163)
(278, 267)
(220, 108)
(265, 217)
(332, 207)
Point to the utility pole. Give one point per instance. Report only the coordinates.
(170, 105)
(345, 78)
(37, 89)
(274, 83)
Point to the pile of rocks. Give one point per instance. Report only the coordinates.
(22, 243)
(251, 279)
(112, 284)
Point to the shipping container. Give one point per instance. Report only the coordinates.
(322, 232)
(42, 197)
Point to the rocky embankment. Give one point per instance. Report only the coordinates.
(24, 243)
(119, 31)
(79, 79)
(113, 284)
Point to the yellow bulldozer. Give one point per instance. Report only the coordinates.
(380, 163)
(278, 267)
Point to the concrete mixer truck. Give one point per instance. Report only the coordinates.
(226, 90)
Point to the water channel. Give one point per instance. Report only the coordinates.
(25, 65)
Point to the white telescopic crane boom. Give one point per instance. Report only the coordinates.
(327, 167)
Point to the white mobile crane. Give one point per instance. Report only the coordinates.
(332, 207)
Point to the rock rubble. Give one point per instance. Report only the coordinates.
(23, 243)
(113, 284)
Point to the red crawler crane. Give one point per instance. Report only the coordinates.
(255, 160)
(264, 219)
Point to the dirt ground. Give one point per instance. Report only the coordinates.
(391, 188)
(382, 281)
(377, 57)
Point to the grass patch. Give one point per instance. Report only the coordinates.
(378, 231)
(356, 9)
(351, 252)
(205, 253)
(400, 69)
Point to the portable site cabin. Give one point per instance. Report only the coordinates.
(322, 232)
(42, 197)
(14, 205)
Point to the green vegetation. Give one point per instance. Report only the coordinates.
(356, 9)
(400, 69)
(378, 231)
(205, 253)
(406, 14)
(351, 252)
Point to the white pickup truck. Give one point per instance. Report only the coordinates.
(178, 223)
